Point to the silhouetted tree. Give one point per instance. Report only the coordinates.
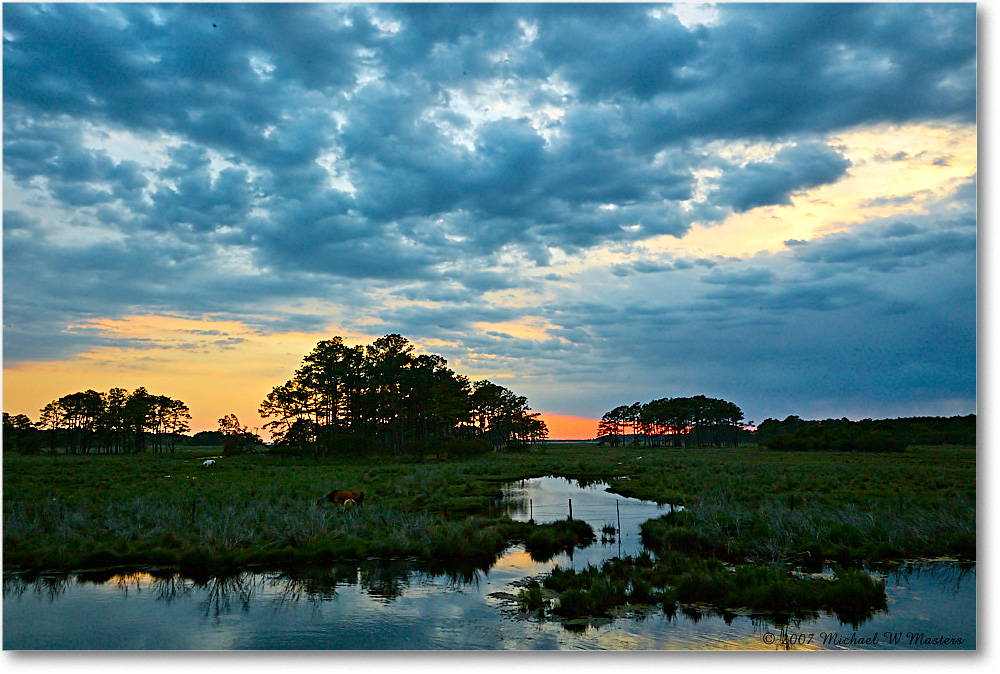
(116, 421)
(693, 421)
(19, 434)
(236, 438)
(386, 395)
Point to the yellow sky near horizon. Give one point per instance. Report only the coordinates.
(938, 159)
(215, 374)
(211, 382)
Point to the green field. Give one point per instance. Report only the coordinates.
(747, 511)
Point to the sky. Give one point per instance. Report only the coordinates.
(592, 205)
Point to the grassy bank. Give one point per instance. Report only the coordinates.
(852, 595)
(742, 505)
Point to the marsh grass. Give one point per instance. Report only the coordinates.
(742, 505)
(815, 531)
(545, 541)
(531, 599)
(852, 595)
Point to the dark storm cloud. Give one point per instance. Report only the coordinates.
(794, 168)
(196, 198)
(224, 159)
(626, 51)
(262, 87)
(75, 175)
(772, 71)
(901, 245)
(751, 277)
(658, 266)
(165, 68)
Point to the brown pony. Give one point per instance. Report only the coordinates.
(342, 496)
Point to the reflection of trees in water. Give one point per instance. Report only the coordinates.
(385, 580)
(949, 576)
(780, 632)
(169, 588)
(693, 614)
(222, 591)
(50, 587)
(585, 482)
(129, 581)
(312, 583)
(515, 499)
(458, 575)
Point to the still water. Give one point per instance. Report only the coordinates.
(397, 605)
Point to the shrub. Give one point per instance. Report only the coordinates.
(531, 600)
(547, 540)
(855, 595)
(573, 604)
(668, 533)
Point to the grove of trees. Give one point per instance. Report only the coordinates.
(696, 421)
(385, 397)
(20, 435)
(116, 422)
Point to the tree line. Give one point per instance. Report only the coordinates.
(867, 435)
(112, 422)
(342, 400)
(677, 422)
(386, 397)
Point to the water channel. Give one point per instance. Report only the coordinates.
(398, 605)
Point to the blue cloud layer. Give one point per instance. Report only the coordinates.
(340, 151)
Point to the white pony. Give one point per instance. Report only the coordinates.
(209, 463)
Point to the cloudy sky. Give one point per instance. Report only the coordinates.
(590, 204)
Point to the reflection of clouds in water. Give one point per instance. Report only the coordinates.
(341, 607)
(547, 499)
(519, 562)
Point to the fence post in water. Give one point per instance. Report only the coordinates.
(531, 511)
(618, 510)
(571, 508)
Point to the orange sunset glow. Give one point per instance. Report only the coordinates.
(217, 367)
(567, 427)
